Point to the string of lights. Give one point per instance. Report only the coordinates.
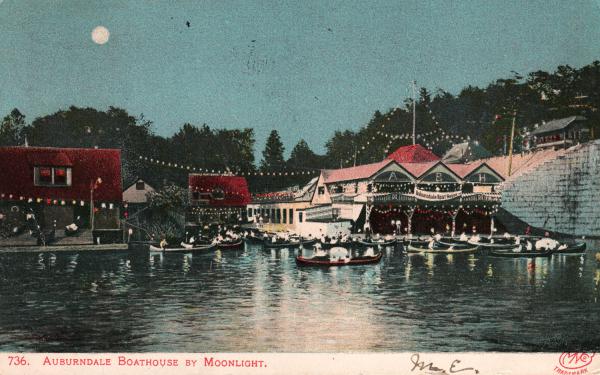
(190, 168)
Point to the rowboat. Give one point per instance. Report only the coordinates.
(326, 261)
(517, 252)
(157, 249)
(442, 249)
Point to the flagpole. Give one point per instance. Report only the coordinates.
(510, 146)
(414, 83)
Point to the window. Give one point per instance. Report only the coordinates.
(299, 217)
(321, 190)
(284, 216)
(291, 215)
(249, 212)
(369, 188)
(278, 217)
(140, 185)
(52, 176)
(356, 187)
(218, 194)
(482, 177)
(438, 177)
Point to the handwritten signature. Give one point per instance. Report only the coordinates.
(430, 367)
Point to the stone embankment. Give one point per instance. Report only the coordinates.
(560, 192)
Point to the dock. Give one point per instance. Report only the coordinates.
(65, 248)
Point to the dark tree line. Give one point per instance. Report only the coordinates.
(483, 114)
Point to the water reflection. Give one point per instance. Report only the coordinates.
(258, 299)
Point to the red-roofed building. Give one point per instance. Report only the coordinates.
(217, 198)
(413, 154)
(57, 184)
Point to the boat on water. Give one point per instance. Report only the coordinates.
(230, 244)
(502, 243)
(251, 238)
(521, 252)
(291, 243)
(327, 261)
(182, 249)
(381, 242)
(439, 248)
(452, 241)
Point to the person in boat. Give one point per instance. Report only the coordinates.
(437, 237)
(546, 243)
(163, 243)
(367, 232)
(369, 252)
(517, 240)
(506, 235)
(318, 252)
(463, 237)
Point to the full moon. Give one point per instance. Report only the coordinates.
(100, 35)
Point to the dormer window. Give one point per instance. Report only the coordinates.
(140, 185)
(51, 176)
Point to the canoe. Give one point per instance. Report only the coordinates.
(452, 241)
(156, 249)
(325, 261)
(520, 254)
(501, 245)
(442, 249)
(226, 245)
(574, 248)
(378, 243)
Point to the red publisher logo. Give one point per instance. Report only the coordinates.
(573, 361)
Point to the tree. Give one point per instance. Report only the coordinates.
(11, 128)
(273, 153)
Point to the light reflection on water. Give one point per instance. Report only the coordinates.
(259, 300)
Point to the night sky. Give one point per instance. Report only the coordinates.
(305, 68)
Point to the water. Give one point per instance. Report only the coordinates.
(259, 300)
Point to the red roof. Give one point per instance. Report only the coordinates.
(417, 169)
(413, 154)
(462, 170)
(17, 164)
(353, 173)
(234, 189)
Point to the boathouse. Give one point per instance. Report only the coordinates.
(216, 199)
(411, 191)
(55, 187)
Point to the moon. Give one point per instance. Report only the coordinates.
(100, 35)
